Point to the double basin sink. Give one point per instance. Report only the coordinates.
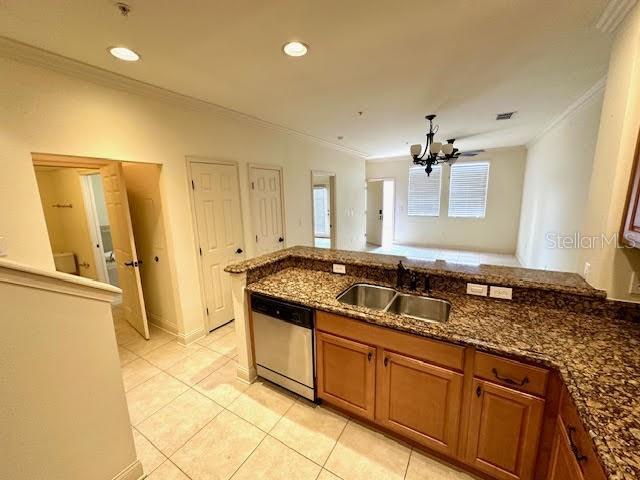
(390, 300)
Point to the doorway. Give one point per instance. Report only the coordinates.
(380, 211)
(88, 206)
(99, 227)
(267, 208)
(217, 216)
(323, 209)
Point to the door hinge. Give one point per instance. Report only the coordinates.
(256, 238)
(200, 249)
(253, 186)
(193, 185)
(207, 309)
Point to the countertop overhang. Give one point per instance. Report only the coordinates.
(561, 282)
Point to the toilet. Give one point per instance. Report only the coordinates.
(65, 262)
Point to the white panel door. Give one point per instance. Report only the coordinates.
(124, 247)
(374, 212)
(266, 209)
(219, 227)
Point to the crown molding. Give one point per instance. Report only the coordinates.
(584, 98)
(24, 53)
(614, 14)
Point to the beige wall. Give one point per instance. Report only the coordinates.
(497, 232)
(611, 268)
(145, 206)
(46, 111)
(64, 414)
(67, 227)
(556, 187)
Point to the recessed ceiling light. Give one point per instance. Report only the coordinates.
(123, 53)
(295, 49)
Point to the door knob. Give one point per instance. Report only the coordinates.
(281, 239)
(238, 251)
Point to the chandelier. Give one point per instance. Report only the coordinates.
(434, 153)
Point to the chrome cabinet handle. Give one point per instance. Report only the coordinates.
(508, 380)
(574, 448)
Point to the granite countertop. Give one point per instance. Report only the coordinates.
(598, 359)
(489, 274)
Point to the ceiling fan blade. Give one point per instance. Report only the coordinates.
(471, 153)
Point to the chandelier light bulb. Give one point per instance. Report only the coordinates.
(436, 147)
(447, 148)
(416, 149)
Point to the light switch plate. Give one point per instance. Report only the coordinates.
(586, 271)
(501, 292)
(339, 268)
(476, 289)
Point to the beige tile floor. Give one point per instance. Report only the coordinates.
(193, 420)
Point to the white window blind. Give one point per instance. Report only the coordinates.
(320, 211)
(468, 189)
(424, 192)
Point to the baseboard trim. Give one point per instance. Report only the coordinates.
(246, 375)
(157, 321)
(188, 338)
(132, 472)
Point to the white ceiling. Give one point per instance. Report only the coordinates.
(395, 60)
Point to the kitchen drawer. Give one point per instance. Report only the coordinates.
(433, 351)
(512, 374)
(579, 440)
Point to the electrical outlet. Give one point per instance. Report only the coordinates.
(587, 270)
(476, 289)
(339, 268)
(634, 284)
(501, 292)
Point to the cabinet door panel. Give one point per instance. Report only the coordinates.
(346, 374)
(421, 401)
(563, 464)
(504, 430)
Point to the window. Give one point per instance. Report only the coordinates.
(424, 192)
(468, 189)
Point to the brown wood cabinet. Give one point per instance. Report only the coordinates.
(563, 464)
(476, 408)
(570, 429)
(420, 400)
(504, 430)
(346, 373)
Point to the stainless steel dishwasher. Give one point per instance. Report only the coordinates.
(283, 340)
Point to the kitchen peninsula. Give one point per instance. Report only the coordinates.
(558, 357)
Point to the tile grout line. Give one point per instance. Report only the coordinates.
(406, 469)
(334, 447)
(168, 457)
